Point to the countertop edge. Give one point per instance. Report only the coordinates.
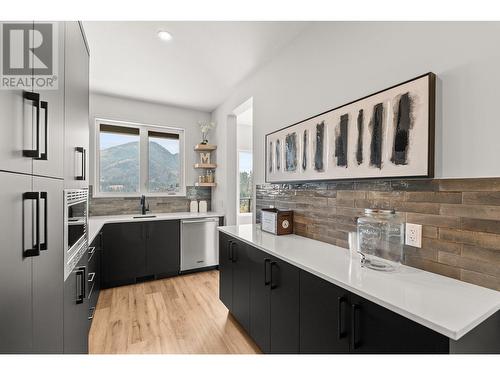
(455, 335)
(102, 220)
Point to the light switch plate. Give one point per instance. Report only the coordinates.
(413, 235)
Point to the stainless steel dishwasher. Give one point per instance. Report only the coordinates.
(199, 243)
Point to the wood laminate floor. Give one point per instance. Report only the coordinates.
(181, 314)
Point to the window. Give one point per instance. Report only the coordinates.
(245, 169)
(163, 162)
(134, 159)
(119, 159)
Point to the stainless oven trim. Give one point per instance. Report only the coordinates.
(73, 254)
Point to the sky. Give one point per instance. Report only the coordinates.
(245, 161)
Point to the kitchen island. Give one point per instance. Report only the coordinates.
(458, 316)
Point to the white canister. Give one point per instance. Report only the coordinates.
(193, 207)
(203, 206)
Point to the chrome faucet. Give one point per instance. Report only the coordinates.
(144, 205)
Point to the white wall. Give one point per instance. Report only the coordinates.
(332, 63)
(114, 108)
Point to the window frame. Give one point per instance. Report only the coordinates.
(143, 158)
(238, 151)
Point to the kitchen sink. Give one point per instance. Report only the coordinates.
(143, 216)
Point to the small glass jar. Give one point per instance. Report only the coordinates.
(380, 239)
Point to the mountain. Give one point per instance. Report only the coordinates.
(120, 168)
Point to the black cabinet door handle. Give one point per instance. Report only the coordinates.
(43, 245)
(354, 327)
(82, 151)
(81, 280)
(45, 155)
(266, 263)
(229, 250)
(340, 326)
(35, 249)
(234, 252)
(34, 98)
(92, 312)
(273, 284)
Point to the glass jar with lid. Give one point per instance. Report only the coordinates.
(380, 239)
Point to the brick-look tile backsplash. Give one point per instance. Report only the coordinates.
(118, 206)
(460, 218)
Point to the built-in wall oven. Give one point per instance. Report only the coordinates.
(75, 227)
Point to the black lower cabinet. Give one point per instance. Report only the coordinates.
(139, 251)
(260, 298)
(273, 302)
(76, 309)
(284, 285)
(124, 252)
(324, 316)
(289, 310)
(377, 330)
(225, 271)
(241, 284)
(162, 248)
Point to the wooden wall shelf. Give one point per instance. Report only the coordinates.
(207, 147)
(205, 166)
(211, 184)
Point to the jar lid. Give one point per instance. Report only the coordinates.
(379, 211)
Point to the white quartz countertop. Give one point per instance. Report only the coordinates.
(97, 222)
(448, 306)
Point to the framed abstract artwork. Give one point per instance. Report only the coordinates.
(388, 134)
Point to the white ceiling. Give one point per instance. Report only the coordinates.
(198, 68)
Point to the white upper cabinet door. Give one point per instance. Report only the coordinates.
(76, 131)
(51, 161)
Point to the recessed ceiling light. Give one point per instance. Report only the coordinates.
(164, 35)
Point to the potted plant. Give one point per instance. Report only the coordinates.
(205, 127)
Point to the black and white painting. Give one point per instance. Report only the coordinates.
(386, 134)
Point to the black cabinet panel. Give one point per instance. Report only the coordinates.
(324, 316)
(94, 274)
(124, 255)
(226, 271)
(163, 248)
(76, 309)
(260, 298)
(285, 282)
(241, 284)
(375, 329)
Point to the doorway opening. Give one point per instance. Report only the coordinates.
(244, 173)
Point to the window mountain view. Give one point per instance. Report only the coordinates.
(119, 167)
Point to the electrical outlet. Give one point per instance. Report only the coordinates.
(413, 235)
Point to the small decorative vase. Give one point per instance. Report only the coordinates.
(193, 207)
(203, 206)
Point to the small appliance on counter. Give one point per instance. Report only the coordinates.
(277, 221)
